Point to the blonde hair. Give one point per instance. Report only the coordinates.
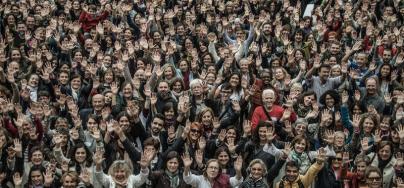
(120, 164)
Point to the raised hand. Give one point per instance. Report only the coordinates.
(17, 179)
(186, 160)
(99, 156)
(222, 135)
(356, 121)
(329, 137)
(365, 144)
(270, 134)
(238, 164)
(321, 156)
(377, 136)
(85, 176)
(48, 177)
(202, 143)
(199, 157)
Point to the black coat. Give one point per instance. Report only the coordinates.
(326, 178)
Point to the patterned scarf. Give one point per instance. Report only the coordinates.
(302, 159)
(174, 179)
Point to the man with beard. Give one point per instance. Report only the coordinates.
(164, 95)
(156, 132)
(292, 177)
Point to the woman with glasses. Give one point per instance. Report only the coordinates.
(384, 160)
(374, 177)
(212, 176)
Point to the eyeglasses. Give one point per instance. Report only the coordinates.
(338, 159)
(372, 179)
(213, 167)
(195, 131)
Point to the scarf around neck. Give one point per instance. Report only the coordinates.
(302, 159)
(174, 178)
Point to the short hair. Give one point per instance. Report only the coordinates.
(152, 142)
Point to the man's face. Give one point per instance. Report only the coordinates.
(291, 173)
(157, 125)
(30, 22)
(324, 73)
(268, 98)
(98, 102)
(361, 59)
(334, 49)
(386, 55)
(371, 86)
(163, 89)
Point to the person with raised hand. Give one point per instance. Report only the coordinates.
(212, 175)
(120, 173)
(292, 176)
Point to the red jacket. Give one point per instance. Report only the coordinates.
(276, 114)
(88, 21)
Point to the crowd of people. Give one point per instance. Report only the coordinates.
(202, 93)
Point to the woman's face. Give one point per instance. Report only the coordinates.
(127, 91)
(337, 161)
(257, 171)
(195, 133)
(172, 165)
(244, 66)
(300, 129)
(63, 78)
(183, 66)
(223, 158)
(207, 60)
(332, 61)
(212, 170)
(36, 178)
(37, 157)
(356, 110)
(385, 153)
(78, 57)
(80, 155)
(15, 55)
(231, 134)
(124, 122)
(168, 73)
(335, 72)
(300, 146)
(329, 101)
(33, 80)
(69, 182)
(395, 137)
(385, 124)
(109, 77)
(140, 65)
(207, 118)
(91, 124)
(169, 114)
(234, 81)
(361, 168)
(177, 87)
(262, 133)
(385, 71)
(298, 55)
(368, 125)
(76, 83)
(279, 74)
(374, 180)
(210, 78)
(120, 175)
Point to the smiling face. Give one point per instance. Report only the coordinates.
(291, 174)
(212, 169)
(368, 126)
(80, 155)
(223, 158)
(300, 146)
(385, 153)
(36, 178)
(256, 171)
(172, 165)
(268, 98)
(37, 157)
(374, 180)
(207, 118)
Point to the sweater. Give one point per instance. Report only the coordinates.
(276, 114)
(306, 179)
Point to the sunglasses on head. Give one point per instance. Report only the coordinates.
(195, 131)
